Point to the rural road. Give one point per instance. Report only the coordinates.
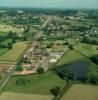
(6, 77)
(8, 74)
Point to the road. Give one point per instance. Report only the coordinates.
(6, 77)
(10, 71)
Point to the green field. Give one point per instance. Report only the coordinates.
(38, 84)
(74, 57)
(2, 33)
(15, 52)
(2, 51)
(33, 30)
(69, 57)
(87, 49)
(81, 92)
(6, 41)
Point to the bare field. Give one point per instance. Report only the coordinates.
(81, 92)
(19, 96)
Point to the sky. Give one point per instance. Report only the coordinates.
(50, 3)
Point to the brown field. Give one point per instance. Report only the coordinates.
(19, 96)
(4, 68)
(81, 92)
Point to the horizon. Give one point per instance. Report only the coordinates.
(56, 4)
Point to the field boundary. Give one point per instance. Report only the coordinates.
(69, 84)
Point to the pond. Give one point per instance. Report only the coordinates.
(79, 68)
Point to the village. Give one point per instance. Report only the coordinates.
(45, 53)
(40, 56)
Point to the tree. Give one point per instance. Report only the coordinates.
(40, 70)
(94, 79)
(13, 40)
(62, 73)
(71, 76)
(9, 45)
(85, 78)
(71, 47)
(55, 91)
(19, 68)
(66, 43)
(95, 59)
(0, 77)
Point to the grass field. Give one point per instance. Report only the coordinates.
(87, 49)
(69, 57)
(33, 30)
(6, 41)
(75, 58)
(39, 84)
(2, 51)
(81, 92)
(7, 28)
(15, 52)
(19, 96)
(2, 33)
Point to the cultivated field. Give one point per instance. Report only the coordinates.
(13, 54)
(4, 68)
(81, 92)
(19, 96)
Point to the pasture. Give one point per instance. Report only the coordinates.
(87, 49)
(13, 54)
(69, 57)
(35, 84)
(2, 33)
(81, 92)
(77, 63)
(2, 51)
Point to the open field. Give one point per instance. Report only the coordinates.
(2, 33)
(15, 52)
(5, 42)
(7, 28)
(35, 84)
(2, 51)
(33, 30)
(19, 96)
(75, 62)
(69, 57)
(87, 49)
(81, 92)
